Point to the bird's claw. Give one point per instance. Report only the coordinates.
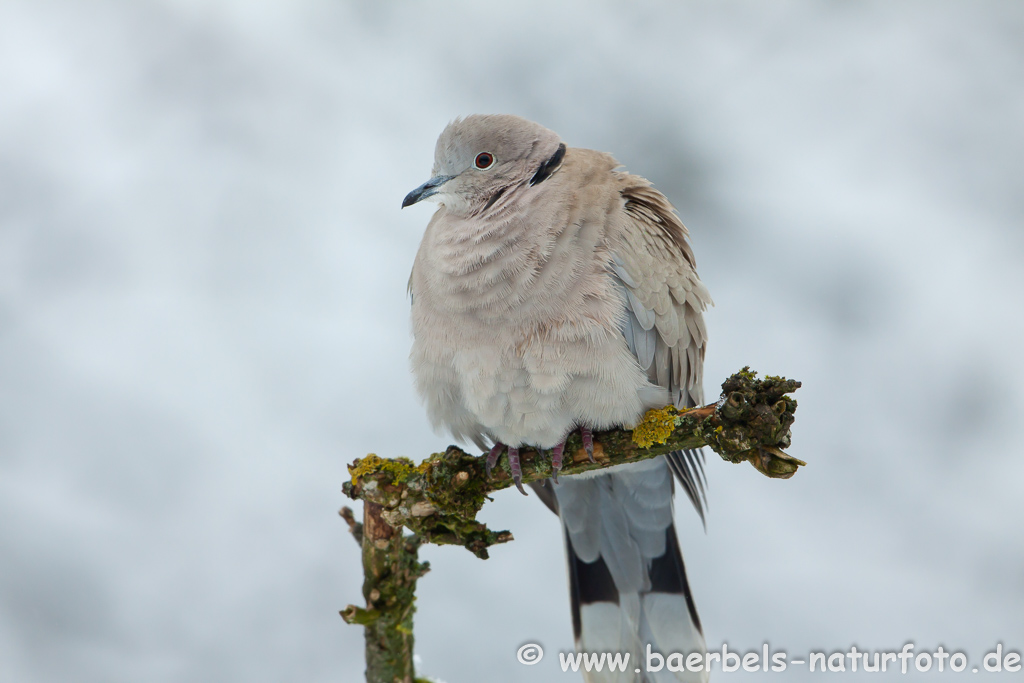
(513, 464)
(588, 441)
(556, 460)
(517, 472)
(492, 458)
(556, 454)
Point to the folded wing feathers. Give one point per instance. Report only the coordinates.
(643, 313)
(644, 341)
(664, 328)
(621, 517)
(661, 363)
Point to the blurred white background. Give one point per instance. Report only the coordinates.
(203, 318)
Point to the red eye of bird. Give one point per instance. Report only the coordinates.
(484, 159)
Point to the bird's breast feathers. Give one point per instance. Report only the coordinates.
(527, 343)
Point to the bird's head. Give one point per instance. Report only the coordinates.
(481, 157)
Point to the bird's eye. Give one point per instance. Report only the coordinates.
(484, 159)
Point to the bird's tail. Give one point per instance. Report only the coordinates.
(626, 575)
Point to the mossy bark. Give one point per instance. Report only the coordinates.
(390, 571)
(439, 499)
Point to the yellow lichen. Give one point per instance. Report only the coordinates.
(398, 468)
(656, 427)
(424, 467)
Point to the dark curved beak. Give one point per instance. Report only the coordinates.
(425, 190)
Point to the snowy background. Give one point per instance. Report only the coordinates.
(203, 318)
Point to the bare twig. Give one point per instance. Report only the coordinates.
(355, 528)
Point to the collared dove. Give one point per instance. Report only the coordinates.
(552, 292)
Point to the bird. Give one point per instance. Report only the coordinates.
(552, 292)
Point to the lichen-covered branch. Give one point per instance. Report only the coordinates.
(440, 498)
(390, 570)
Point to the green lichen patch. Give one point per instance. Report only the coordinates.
(752, 423)
(455, 482)
(438, 499)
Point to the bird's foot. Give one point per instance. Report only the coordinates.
(556, 454)
(588, 441)
(513, 464)
(492, 458)
(556, 460)
(517, 472)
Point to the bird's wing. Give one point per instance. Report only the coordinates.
(653, 265)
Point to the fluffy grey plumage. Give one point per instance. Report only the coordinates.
(553, 292)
